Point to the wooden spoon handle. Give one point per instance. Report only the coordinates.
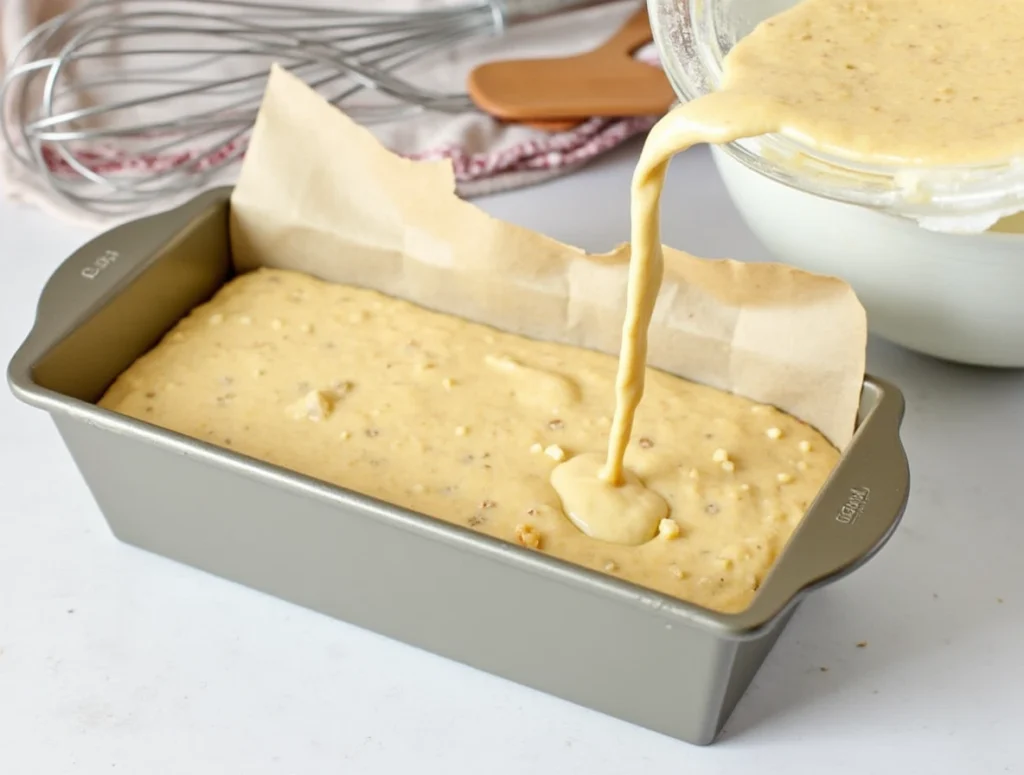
(553, 125)
(607, 81)
(636, 32)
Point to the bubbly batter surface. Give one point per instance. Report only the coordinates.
(465, 423)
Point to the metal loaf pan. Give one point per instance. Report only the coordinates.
(435, 585)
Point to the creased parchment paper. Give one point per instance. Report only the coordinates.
(318, 194)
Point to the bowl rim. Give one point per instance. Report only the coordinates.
(686, 38)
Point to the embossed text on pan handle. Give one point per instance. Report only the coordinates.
(92, 272)
(850, 520)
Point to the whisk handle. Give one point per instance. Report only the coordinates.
(521, 10)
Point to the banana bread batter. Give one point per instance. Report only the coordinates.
(465, 423)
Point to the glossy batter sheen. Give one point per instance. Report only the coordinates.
(465, 423)
(921, 82)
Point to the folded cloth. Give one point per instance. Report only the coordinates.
(487, 155)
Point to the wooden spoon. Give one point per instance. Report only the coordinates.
(552, 125)
(607, 81)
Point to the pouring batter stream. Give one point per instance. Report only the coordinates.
(872, 80)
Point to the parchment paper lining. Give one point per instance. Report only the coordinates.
(318, 194)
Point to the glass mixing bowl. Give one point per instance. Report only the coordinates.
(883, 228)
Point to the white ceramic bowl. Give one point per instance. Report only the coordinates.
(953, 296)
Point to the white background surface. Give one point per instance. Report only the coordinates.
(113, 660)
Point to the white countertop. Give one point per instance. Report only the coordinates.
(113, 660)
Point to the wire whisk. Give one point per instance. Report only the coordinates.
(118, 103)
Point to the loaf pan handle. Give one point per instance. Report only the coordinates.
(86, 279)
(852, 517)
